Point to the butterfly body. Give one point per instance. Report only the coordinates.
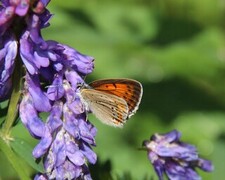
(113, 101)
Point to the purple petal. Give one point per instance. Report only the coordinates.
(41, 101)
(73, 78)
(45, 2)
(71, 123)
(76, 106)
(5, 89)
(73, 171)
(205, 165)
(85, 133)
(60, 172)
(40, 177)
(54, 119)
(6, 14)
(29, 117)
(49, 161)
(43, 145)
(70, 94)
(7, 59)
(26, 53)
(22, 7)
(177, 172)
(157, 163)
(89, 153)
(168, 137)
(81, 63)
(59, 149)
(74, 154)
(68, 171)
(176, 151)
(56, 90)
(40, 60)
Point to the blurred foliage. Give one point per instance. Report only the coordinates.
(176, 48)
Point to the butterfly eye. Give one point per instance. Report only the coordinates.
(80, 85)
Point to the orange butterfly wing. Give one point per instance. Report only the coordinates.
(127, 89)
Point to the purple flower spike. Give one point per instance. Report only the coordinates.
(52, 73)
(176, 159)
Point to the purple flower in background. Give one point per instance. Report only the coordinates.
(52, 72)
(176, 159)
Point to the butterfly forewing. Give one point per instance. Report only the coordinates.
(127, 89)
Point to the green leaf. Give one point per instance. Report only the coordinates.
(15, 161)
(23, 149)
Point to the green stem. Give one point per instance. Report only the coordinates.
(13, 102)
(14, 160)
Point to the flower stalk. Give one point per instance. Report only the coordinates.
(13, 102)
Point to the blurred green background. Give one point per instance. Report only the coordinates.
(176, 49)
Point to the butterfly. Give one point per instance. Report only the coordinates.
(112, 101)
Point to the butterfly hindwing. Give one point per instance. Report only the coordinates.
(108, 108)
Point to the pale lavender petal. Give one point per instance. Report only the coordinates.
(41, 101)
(177, 151)
(29, 117)
(43, 145)
(81, 63)
(177, 172)
(157, 163)
(89, 153)
(74, 154)
(68, 171)
(85, 133)
(76, 106)
(168, 137)
(41, 61)
(54, 120)
(7, 59)
(59, 148)
(26, 53)
(40, 177)
(71, 123)
(205, 165)
(73, 78)
(49, 161)
(56, 90)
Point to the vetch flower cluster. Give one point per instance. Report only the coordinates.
(176, 159)
(51, 72)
